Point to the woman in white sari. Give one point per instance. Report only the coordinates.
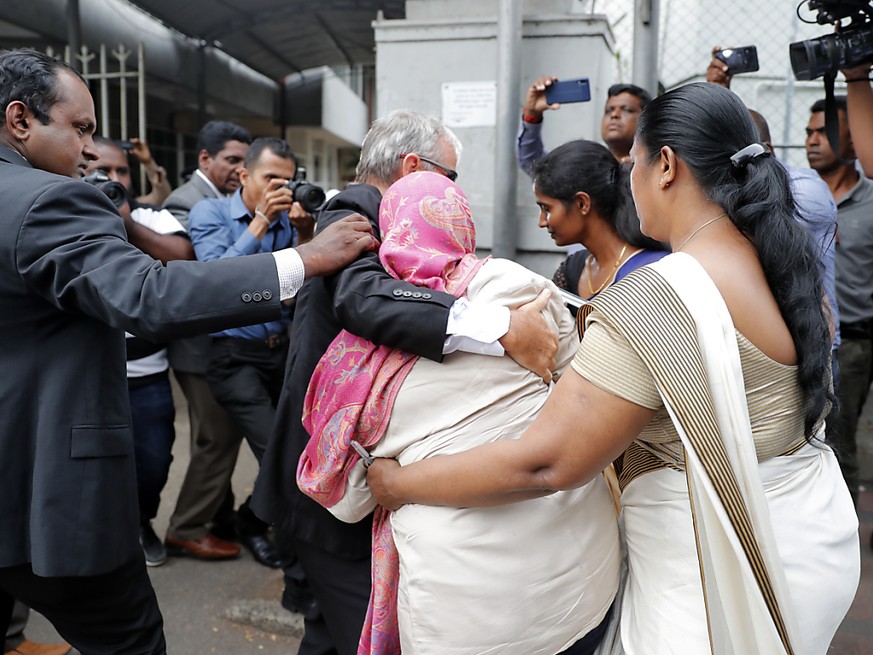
(706, 375)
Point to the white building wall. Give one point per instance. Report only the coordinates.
(455, 40)
(416, 56)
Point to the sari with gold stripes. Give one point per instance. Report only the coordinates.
(725, 558)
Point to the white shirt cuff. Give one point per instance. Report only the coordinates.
(476, 328)
(289, 266)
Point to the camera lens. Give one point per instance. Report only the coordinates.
(829, 53)
(115, 191)
(310, 196)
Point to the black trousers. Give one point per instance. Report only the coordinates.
(7, 602)
(589, 643)
(111, 614)
(246, 378)
(855, 357)
(342, 588)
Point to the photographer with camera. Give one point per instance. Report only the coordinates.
(153, 230)
(246, 366)
(157, 233)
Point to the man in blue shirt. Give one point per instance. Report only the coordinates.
(247, 365)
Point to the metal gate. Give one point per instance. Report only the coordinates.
(114, 64)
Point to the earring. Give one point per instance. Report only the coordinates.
(664, 185)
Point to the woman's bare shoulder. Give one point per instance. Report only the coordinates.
(743, 285)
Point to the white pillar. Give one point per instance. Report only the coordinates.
(646, 22)
(505, 168)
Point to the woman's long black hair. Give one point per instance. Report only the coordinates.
(588, 166)
(705, 125)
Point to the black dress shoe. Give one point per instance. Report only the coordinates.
(263, 550)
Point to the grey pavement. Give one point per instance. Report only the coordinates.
(198, 597)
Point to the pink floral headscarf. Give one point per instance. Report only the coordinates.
(428, 239)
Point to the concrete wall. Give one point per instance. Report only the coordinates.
(326, 121)
(449, 41)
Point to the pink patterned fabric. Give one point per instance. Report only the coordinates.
(428, 239)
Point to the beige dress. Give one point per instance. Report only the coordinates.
(522, 579)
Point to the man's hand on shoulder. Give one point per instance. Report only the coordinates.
(338, 245)
(530, 341)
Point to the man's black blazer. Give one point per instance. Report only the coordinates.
(368, 302)
(70, 285)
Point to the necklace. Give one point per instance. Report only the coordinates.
(590, 259)
(709, 222)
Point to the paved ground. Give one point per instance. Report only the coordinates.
(196, 597)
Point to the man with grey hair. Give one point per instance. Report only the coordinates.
(365, 300)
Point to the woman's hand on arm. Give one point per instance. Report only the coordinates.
(530, 341)
(580, 430)
(378, 475)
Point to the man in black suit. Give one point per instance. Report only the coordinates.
(365, 300)
(70, 285)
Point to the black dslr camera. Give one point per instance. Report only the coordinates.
(849, 47)
(310, 196)
(115, 191)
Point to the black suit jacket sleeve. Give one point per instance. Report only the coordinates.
(85, 264)
(68, 280)
(370, 303)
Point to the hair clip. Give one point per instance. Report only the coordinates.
(752, 151)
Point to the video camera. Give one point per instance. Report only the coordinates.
(115, 191)
(310, 196)
(827, 54)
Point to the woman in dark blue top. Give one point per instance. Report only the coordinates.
(584, 197)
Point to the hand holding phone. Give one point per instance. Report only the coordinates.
(739, 60)
(564, 91)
